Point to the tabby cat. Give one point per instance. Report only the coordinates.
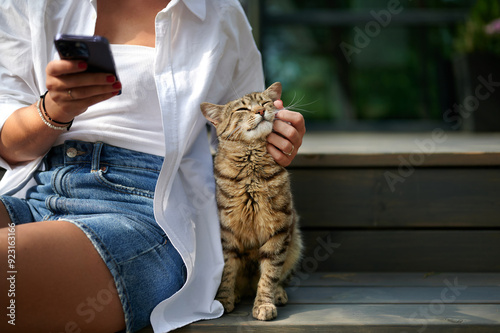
(259, 226)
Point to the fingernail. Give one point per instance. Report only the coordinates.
(110, 78)
(82, 65)
(117, 85)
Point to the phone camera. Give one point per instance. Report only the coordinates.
(82, 50)
(73, 50)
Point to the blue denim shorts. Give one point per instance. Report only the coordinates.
(108, 193)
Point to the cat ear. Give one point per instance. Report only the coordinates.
(212, 112)
(274, 91)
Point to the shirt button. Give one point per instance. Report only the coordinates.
(71, 152)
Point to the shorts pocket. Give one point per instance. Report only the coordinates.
(141, 182)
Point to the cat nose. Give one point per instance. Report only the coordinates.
(260, 111)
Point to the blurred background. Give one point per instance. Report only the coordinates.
(383, 65)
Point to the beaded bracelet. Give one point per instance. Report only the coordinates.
(60, 128)
(67, 124)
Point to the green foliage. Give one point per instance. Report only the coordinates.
(472, 36)
(403, 74)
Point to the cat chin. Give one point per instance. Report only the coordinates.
(260, 132)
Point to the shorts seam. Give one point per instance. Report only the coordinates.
(122, 188)
(154, 248)
(67, 184)
(129, 167)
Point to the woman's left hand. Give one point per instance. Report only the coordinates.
(288, 130)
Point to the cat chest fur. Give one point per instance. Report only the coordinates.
(253, 194)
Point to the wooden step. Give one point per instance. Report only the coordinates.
(400, 202)
(377, 302)
(436, 148)
(349, 180)
(404, 250)
(375, 198)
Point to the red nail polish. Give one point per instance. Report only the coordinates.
(82, 65)
(110, 78)
(117, 85)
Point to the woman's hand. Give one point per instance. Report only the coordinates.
(288, 131)
(71, 91)
(24, 136)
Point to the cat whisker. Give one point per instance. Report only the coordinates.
(236, 130)
(298, 107)
(293, 99)
(293, 102)
(235, 92)
(300, 110)
(297, 104)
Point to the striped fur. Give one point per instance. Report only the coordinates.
(259, 226)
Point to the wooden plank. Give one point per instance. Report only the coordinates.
(398, 279)
(394, 160)
(437, 312)
(437, 148)
(370, 197)
(395, 295)
(400, 251)
(353, 318)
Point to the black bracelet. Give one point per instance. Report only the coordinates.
(68, 124)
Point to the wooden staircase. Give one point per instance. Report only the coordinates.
(402, 234)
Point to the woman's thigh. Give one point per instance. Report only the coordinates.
(55, 281)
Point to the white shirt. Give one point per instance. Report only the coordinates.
(204, 52)
(131, 120)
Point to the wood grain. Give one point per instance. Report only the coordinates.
(435, 148)
(426, 198)
(401, 251)
(350, 318)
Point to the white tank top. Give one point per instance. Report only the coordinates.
(131, 120)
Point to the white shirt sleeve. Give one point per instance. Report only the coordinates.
(17, 82)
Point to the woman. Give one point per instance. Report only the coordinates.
(130, 231)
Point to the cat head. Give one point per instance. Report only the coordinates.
(247, 119)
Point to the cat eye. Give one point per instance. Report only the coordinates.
(263, 104)
(243, 109)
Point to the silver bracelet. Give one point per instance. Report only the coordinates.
(59, 128)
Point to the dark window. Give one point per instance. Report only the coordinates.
(362, 65)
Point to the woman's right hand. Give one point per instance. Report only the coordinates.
(72, 90)
(24, 135)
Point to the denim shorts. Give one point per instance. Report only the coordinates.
(108, 193)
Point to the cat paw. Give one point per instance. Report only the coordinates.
(227, 303)
(266, 311)
(281, 298)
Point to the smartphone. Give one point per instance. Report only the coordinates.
(94, 50)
